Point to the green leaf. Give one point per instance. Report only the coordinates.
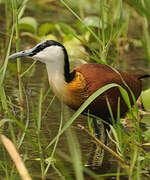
(66, 29)
(45, 29)
(146, 120)
(146, 99)
(28, 23)
(125, 97)
(94, 21)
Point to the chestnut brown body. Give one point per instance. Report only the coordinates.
(95, 76)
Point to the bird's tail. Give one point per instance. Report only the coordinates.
(144, 76)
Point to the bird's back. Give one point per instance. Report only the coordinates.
(92, 77)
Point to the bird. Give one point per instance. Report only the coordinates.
(76, 86)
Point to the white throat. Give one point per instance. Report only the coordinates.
(53, 57)
(55, 69)
(56, 77)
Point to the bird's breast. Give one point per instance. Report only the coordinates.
(77, 91)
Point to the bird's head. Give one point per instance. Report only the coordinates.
(49, 51)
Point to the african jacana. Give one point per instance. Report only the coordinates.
(76, 86)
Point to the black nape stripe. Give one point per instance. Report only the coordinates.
(68, 76)
(39, 47)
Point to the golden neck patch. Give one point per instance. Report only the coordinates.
(77, 91)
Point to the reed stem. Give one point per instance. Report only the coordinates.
(21, 100)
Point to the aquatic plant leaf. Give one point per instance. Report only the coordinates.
(28, 23)
(45, 29)
(146, 99)
(66, 28)
(94, 21)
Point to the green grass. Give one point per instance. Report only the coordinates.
(28, 119)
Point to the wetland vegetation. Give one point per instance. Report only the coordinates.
(43, 130)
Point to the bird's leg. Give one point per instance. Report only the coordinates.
(100, 131)
(97, 130)
(97, 155)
